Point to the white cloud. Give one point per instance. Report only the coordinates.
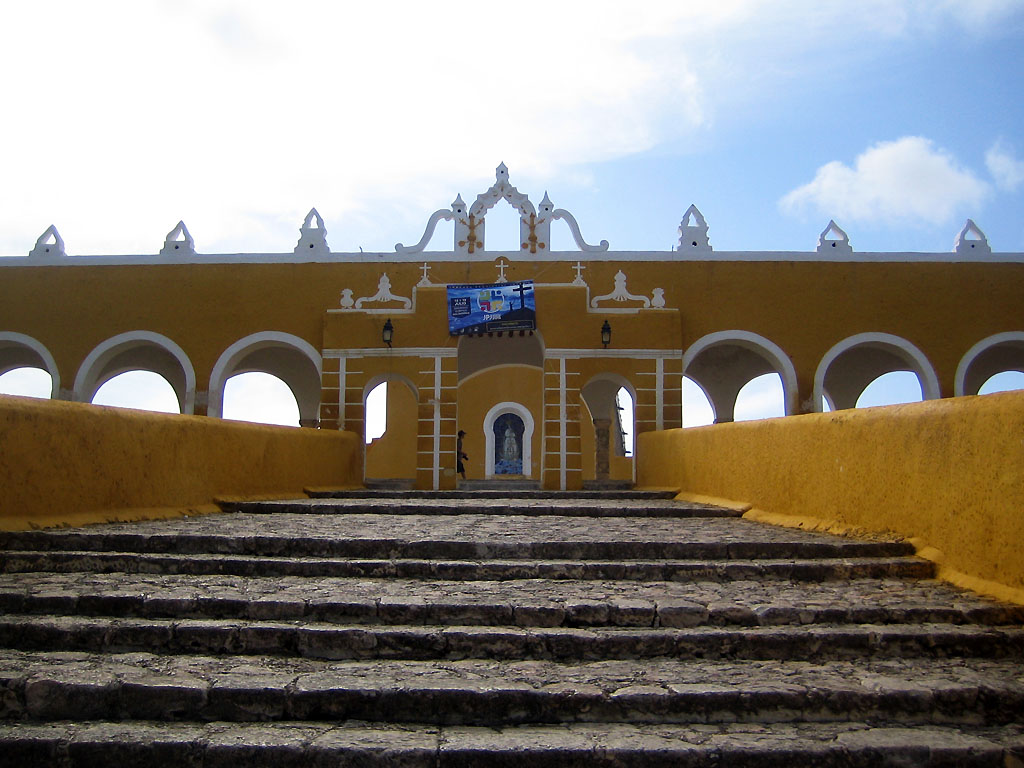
(907, 180)
(1006, 169)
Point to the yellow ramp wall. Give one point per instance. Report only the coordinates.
(71, 464)
(947, 474)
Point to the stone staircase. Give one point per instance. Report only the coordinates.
(396, 628)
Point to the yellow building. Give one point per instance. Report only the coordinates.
(538, 404)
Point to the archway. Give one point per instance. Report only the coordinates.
(137, 351)
(613, 425)
(18, 351)
(847, 369)
(288, 357)
(722, 363)
(390, 450)
(991, 356)
(892, 388)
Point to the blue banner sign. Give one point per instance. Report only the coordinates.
(486, 308)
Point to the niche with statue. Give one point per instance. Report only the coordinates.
(508, 445)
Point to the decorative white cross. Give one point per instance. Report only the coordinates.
(502, 265)
(579, 274)
(424, 269)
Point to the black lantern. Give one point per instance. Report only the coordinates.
(389, 331)
(606, 334)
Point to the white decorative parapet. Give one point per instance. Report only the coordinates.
(50, 245)
(384, 294)
(313, 236)
(534, 224)
(693, 232)
(621, 293)
(179, 242)
(965, 243)
(458, 209)
(834, 240)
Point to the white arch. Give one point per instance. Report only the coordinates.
(913, 356)
(227, 363)
(87, 381)
(382, 378)
(528, 426)
(986, 343)
(13, 339)
(756, 343)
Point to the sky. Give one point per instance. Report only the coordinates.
(899, 119)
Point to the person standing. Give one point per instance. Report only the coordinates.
(460, 455)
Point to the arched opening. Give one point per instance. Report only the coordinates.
(376, 423)
(26, 382)
(994, 356)
(142, 390)
(25, 366)
(1007, 381)
(760, 398)
(625, 422)
(610, 410)
(722, 364)
(138, 352)
(893, 388)
(286, 357)
(850, 366)
(697, 409)
(261, 398)
(391, 408)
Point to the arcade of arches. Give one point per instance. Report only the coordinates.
(542, 404)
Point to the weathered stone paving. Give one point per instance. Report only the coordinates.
(397, 628)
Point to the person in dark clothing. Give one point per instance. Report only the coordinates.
(460, 455)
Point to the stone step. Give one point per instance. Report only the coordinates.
(502, 492)
(328, 640)
(461, 537)
(708, 570)
(481, 506)
(142, 686)
(372, 745)
(518, 602)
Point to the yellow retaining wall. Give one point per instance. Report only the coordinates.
(72, 464)
(946, 474)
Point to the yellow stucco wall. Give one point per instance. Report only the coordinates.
(71, 464)
(948, 474)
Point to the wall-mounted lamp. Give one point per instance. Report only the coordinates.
(388, 332)
(606, 334)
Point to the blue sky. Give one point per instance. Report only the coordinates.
(898, 118)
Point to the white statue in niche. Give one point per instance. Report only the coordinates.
(510, 448)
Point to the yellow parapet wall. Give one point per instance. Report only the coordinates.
(71, 464)
(946, 474)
